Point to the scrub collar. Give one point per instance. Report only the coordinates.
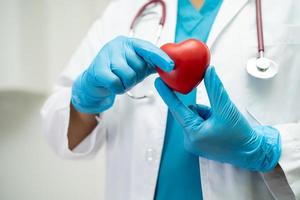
(190, 17)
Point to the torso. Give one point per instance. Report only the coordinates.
(136, 128)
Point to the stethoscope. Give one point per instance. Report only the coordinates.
(142, 12)
(259, 67)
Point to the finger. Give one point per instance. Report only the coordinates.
(138, 65)
(111, 81)
(124, 72)
(99, 92)
(90, 88)
(152, 54)
(202, 110)
(181, 113)
(216, 92)
(104, 77)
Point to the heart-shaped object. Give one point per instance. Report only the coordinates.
(191, 58)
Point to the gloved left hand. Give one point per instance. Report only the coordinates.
(222, 133)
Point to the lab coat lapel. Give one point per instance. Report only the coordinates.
(228, 11)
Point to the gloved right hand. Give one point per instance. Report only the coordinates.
(120, 65)
(221, 132)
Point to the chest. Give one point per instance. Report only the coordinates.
(270, 102)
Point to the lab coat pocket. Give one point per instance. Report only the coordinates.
(282, 42)
(278, 39)
(277, 34)
(272, 115)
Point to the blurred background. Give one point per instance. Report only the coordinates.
(37, 39)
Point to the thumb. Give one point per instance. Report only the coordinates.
(180, 112)
(216, 92)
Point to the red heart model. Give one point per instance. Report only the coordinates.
(191, 58)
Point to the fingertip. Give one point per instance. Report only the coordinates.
(153, 55)
(170, 66)
(166, 64)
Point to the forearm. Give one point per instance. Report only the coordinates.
(80, 126)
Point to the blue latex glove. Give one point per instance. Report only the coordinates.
(120, 65)
(221, 133)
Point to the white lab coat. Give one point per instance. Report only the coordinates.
(134, 130)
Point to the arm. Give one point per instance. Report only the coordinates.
(80, 126)
(118, 66)
(56, 117)
(57, 113)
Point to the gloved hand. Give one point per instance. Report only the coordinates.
(120, 65)
(221, 133)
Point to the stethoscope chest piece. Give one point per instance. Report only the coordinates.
(262, 68)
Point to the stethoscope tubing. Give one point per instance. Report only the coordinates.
(140, 12)
(259, 21)
(259, 27)
(161, 25)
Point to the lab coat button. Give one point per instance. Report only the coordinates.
(150, 155)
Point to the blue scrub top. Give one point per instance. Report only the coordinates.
(179, 173)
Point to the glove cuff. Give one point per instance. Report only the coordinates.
(270, 148)
(85, 98)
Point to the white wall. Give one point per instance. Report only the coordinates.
(37, 38)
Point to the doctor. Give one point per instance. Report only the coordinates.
(234, 137)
